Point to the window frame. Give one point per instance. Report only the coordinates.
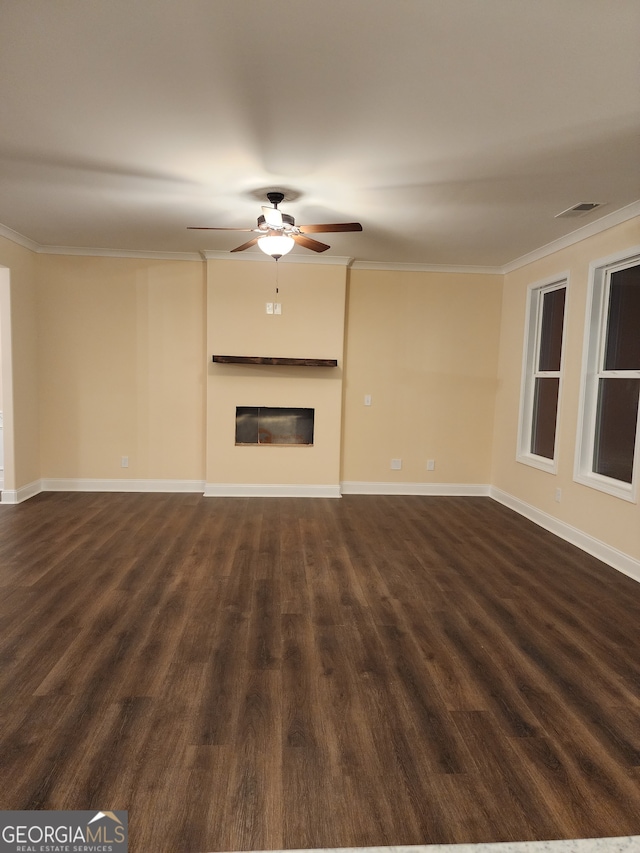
(530, 372)
(595, 335)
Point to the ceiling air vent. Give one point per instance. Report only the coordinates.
(578, 210)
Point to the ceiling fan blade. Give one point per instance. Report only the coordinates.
(210, 228)
(246, 245)
(308, 243)
(272, 216)
(332, 226)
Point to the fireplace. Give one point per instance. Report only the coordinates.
(269, 383)
(271, 425)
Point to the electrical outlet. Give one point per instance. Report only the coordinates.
(431, 464)
(396, 464)
(124, 462)
(269, 307)
(367, 399)
(558, 495)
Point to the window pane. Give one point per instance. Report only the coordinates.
(616, 419)
(622, 351)
(545, 407)
(551, 331)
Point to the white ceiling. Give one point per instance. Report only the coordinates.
(454, 130)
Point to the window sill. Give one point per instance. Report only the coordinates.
(539, 462)
(615, 488)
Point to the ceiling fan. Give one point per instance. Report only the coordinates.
(278, 233)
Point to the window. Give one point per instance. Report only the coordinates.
(541, 374)
(607, 447)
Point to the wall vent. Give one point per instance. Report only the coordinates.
(578, 210)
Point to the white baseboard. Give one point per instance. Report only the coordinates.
(269, 490)
(120, 485)
(614, 558)
(17, 496)
(611, 556)
(354, 487)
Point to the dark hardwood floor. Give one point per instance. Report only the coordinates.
(243, 674)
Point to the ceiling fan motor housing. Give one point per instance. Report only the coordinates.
(287, 221)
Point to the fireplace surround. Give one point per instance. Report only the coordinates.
(291, 360)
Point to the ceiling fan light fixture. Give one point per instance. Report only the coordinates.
(276, 245)
(277, 232)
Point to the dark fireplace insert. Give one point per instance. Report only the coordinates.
(271, 425)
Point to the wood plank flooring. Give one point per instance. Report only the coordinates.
(245, 674)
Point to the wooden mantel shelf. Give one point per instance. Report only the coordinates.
(260, 359)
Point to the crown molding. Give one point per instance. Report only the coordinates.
(617, 217)
(20, 239)
(118, 253)
(399, 267)
(261, 258)
(87, 251)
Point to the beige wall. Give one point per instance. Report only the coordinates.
(425, 347)
(111, 357)
(121, 367)
(20, 343)
(311, 326)
(611, 520)
(8, 282)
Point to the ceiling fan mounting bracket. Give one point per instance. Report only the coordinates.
(275, 198)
